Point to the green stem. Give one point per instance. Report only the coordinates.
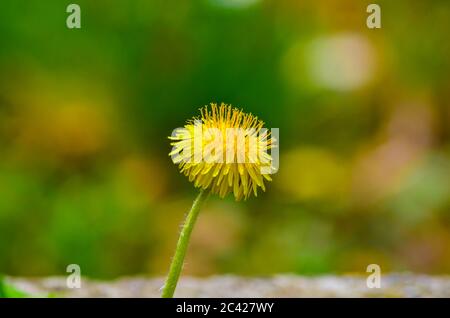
(183, 242)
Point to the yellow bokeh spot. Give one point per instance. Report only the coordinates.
(312, 173)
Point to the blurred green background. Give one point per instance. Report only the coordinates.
(364, 117)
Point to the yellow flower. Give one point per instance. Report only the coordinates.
(225, 150)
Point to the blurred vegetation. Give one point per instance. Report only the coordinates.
(9, 291)
(364, 135)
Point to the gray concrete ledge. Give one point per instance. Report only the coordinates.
(392, 285)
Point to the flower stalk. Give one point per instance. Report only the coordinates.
(182, 245)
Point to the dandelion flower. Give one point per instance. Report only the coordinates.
(231, 154)
(222, 151)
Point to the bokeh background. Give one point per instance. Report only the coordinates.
(364, 117)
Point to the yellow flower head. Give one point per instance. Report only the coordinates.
(225, 150)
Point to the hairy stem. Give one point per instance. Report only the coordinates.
(183, 242)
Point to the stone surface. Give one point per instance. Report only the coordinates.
(392, 285)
